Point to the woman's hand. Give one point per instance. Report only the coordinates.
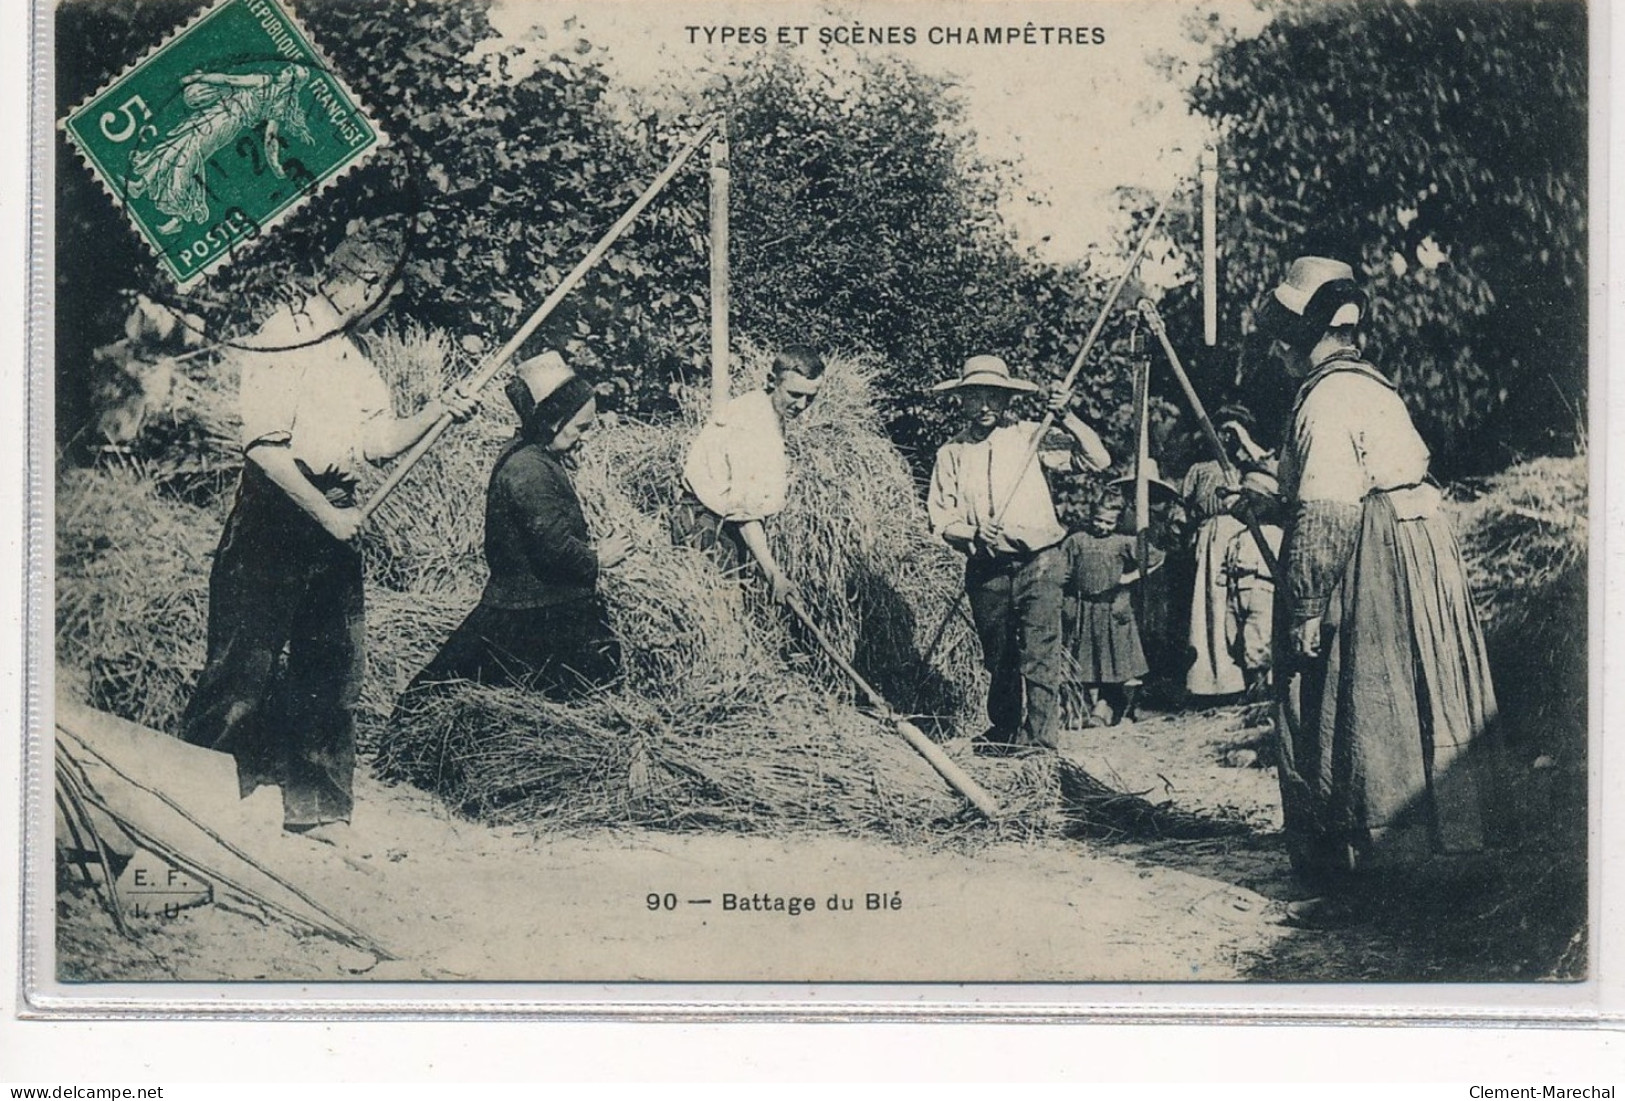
(783, 589)
(343, 524)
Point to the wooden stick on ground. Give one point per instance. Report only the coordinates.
(956, 777)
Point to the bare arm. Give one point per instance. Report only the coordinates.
(1089, 442)
(278, 463)
(388, 436)
(755, 537)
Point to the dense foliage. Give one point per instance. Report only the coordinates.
(863, 219)
(1441, 148)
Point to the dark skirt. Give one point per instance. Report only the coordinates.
(1388, 755)
(563, 651)
(1103, 640)
(285, 655)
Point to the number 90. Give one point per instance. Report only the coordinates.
(667, 901)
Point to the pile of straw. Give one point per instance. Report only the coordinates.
(853, 535)
(1523, 533)
(132, 590)
(1524, 537)
(725, 714)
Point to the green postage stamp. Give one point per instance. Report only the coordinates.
(220, 132)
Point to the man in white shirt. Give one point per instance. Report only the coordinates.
(989, 500)
(287, 575)
(737, 473)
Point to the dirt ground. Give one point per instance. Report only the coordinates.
(450, 898)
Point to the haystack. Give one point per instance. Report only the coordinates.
(725, 716)
(1524, 536)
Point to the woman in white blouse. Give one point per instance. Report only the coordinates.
(1387, 700)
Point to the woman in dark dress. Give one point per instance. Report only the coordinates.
(540, 624)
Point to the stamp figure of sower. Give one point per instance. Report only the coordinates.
(226, 105)
(208, 142)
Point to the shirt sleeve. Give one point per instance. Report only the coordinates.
(942, 504)
(374, 408)
(372, 394)
(707, 469)
(1323, 537)
(1326, 439)
(1332, 484)
(268, 397)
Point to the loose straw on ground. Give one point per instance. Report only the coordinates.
(938, 760)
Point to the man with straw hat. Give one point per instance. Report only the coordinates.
(1388, 707)
(989, 501)
(287, 576)
(540, 623)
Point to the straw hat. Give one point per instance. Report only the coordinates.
(544, 374)
(1153, 478)
(989, 371)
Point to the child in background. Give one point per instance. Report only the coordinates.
(1102, 637)
(1250, 623)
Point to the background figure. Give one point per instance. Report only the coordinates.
(1249, 628)
(1386, 696)
(540, 623)
(737, 474)
(1161, 599)
(286, 633)
(1013, 564)
(1100, 629)
(1213, 671)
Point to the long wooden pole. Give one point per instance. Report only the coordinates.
(956, 777)
(1049, 417)
(1154, 319)
(1037, 441)
(719, 271)
(1210, 246)
(496, 361)
(1142, 468)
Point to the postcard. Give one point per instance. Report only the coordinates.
(990, 505)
